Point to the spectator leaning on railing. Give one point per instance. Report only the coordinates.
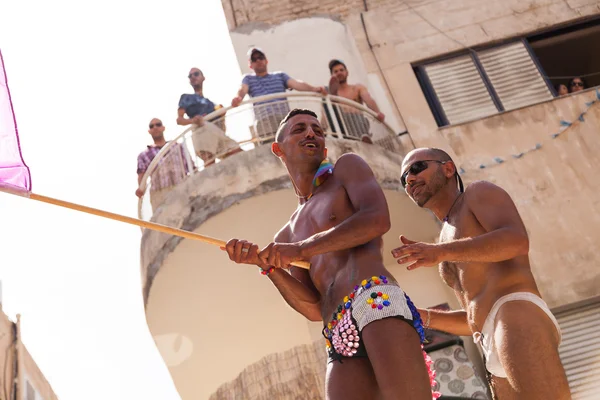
(170, 171)
(260, 83)
(355, 124)
(209, 138)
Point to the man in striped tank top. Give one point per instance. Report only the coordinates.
(268, 113)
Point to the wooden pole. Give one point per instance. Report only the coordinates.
(122, 218)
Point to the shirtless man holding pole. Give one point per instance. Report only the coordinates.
(372, 329)
(483, 256)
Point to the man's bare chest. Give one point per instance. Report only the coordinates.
(324, 210)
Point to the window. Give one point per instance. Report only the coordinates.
(580, 349)
(483, 82)
(569, 52)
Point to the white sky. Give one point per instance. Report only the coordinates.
(86, 78)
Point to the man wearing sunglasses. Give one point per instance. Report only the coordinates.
(268, 113)
(172, 169)
(209, 138)
(483, 255)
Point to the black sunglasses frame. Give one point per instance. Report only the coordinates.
(158, 125)
(194, 74)
(405, 174)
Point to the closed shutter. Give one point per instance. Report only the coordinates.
(460, 89)
(514, 76)
(580, 350)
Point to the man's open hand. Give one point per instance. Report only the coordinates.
(420, 254)
(280, 255)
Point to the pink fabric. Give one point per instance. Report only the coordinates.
(13, 170)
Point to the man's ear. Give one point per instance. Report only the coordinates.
(275, 149)
(449, 169)
(325, 152)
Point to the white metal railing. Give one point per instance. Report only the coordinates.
(254, 123)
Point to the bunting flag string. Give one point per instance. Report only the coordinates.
(564, 126)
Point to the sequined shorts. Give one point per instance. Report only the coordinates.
(374, 299)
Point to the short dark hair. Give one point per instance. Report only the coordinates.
(335, 62)
(443, 156)
(293, 113)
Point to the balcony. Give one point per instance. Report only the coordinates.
(254, 124)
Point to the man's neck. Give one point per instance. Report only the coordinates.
(442, 203)
(262, 73)
(198, 90)
(302, 178)
(344, 85)
(160, 142)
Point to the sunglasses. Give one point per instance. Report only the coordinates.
(577, 84)
(158, 125)
(194, 74)
(255, 59)
(416, 168)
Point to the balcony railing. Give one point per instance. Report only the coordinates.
(254, 123)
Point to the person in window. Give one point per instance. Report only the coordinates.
(355, 123)
(561, 89)
(209, 138)
(577, 85)
(170, 171)
(260, 83)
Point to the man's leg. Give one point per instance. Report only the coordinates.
(351, 379)
(395, 353)
(527, 344)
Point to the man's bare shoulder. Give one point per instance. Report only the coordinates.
(349, 160)
(485, 191)
(284, 234)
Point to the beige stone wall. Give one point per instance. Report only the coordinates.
(29, 369)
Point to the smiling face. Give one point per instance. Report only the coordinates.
(301, 141)
(425, 173)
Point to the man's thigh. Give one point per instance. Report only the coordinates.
(395, 353)
(350, 379)
(527, 344)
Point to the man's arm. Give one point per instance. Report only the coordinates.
(138, 191)
(296, 288)
(305, 87)
(369, 101)
(505, 237)
(453, 322)
(182, 120)
(240, 95)
(370, 220)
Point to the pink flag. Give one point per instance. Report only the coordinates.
(13, 171)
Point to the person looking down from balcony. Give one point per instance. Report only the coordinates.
(482, 255)
(561, 89)
(355, 124)
(373, 331)
(209, 138)
(268, 113)
(169, 172)
(577, 85)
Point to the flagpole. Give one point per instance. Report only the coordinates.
(122, 218)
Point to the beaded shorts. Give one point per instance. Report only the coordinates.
(374, 299)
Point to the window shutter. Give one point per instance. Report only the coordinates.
(580, 350)
(514, 76)
(460, 89)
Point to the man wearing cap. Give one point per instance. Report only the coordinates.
(268, 113)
